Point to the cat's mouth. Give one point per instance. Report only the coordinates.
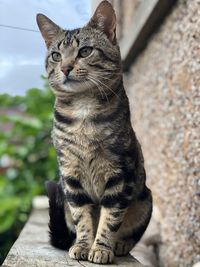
(70, 80)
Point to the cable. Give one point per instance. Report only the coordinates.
(17, 28)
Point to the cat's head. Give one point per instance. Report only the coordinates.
(82, 59)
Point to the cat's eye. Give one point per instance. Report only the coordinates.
(56, 56)
(85, 51)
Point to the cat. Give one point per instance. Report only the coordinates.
(101, 206)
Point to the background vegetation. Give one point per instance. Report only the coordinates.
(27, 158)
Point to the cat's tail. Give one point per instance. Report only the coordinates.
(60, 236)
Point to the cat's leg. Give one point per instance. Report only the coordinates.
(114, 204)
(134, 224)
(80, 206)
(103, 246)
(121, 224)
(84, 232)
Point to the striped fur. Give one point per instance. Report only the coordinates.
(106, 203)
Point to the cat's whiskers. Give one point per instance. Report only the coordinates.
(98, 87)
(109, 73)
(91, 80)
(106, 78)
(119, 71)
(97, 80)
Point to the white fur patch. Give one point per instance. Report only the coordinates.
(82, 109)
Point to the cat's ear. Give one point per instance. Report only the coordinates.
(104, 19)
(48, 28)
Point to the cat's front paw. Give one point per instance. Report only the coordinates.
(78, 252)
(99, 255)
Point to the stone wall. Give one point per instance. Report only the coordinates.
(164, 91)
(125, 11)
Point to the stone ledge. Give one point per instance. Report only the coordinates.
(32, 248)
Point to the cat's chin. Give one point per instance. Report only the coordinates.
(72, 86)
(69, 80)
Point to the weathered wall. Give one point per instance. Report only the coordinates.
(164, 92)
(124, 11)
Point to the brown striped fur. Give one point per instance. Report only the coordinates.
(106, 202)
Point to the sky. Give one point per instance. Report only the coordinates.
(22, 53)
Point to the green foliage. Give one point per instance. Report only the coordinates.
(25, 146)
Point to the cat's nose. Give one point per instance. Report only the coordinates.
(66, 69)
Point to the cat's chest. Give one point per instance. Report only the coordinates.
(82, 144)
(82, 137)
(88, 161)
(82, 110)
(94, 186)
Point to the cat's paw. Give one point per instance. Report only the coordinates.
(122, 248)
(99, 255)
(78, 252)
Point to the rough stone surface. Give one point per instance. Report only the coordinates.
(32, 249)
(164, 90)
(125, 11)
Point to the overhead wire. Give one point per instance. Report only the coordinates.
(17, 28)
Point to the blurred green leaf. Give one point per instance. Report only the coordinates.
(10, 203)
(27, 157)
(9, 218)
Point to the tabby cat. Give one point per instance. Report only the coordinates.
(101, 205)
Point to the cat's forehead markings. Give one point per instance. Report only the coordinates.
(59, 43)
(67, 38)
(62, 45)
(75, 43)
(68, 50)
(71, 38)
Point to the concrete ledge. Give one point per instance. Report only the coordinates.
(32, 248)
